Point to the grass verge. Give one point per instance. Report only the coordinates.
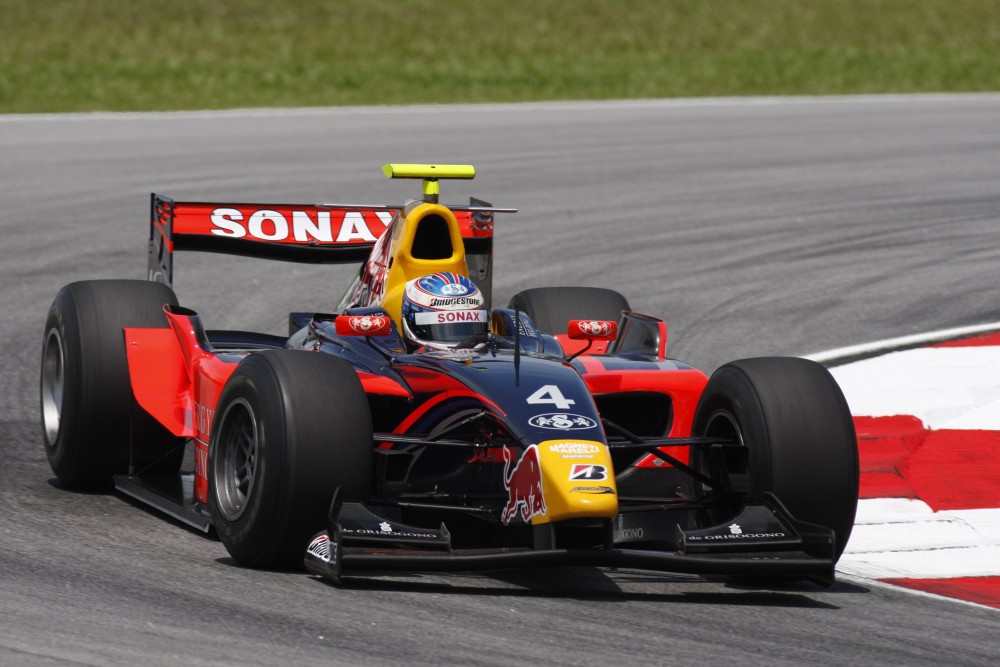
(84, 55)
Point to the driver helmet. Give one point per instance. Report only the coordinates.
(441, 309)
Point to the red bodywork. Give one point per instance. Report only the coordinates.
(178, 382)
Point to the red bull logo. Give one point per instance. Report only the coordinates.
(523, 484)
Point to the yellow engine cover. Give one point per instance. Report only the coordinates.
(406, 265)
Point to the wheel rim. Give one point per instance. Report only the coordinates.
(53, 383)
(235, 469)
(723, 425)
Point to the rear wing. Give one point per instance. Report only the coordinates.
(315, 234)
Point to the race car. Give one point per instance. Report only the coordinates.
(419, 427)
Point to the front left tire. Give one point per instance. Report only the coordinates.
(291, 427)
(800, 444)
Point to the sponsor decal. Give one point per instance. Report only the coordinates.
(593, 490)
(737, 536)
(627, 534)
(304, 226)
(574, 448)
(371, 289)
(523, 482)
(734, 528)
(320, 547)
(593, 329)
(562, 422)
(386, 529)
(201, 460)
(363, 325)
(454, 289)
(587, 471)
(368, 322)
(457, 301)
(450, 316)
(203, 418)
(623, 534)
(461, 356)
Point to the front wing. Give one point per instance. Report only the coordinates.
(763, 540)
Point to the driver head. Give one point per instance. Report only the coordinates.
(441, 309)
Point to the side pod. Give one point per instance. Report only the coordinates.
(173, 372)
(161, 378)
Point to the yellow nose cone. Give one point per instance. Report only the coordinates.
(578, 480)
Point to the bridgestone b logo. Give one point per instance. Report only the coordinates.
(586, 471)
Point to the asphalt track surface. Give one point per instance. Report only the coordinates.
(755, 227)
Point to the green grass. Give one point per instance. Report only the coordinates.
(84, 55)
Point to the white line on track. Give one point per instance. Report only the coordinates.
(901, 538)
(944, 387)
(833, 357)
(875, 583)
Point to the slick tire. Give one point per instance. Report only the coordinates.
(793, 418)
(291, 426)
(551, 308)
(91, 424)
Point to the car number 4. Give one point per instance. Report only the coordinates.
(550, 393)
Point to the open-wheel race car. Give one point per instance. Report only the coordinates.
(418, 428)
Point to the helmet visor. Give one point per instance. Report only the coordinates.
(449, 325)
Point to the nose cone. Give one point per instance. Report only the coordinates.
(578, 480)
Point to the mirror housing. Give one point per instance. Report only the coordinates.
(363, 325)
(593, 330)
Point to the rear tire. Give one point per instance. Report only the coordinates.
(90, 420)
(793, 418)
(551, 308)
(291, 426)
